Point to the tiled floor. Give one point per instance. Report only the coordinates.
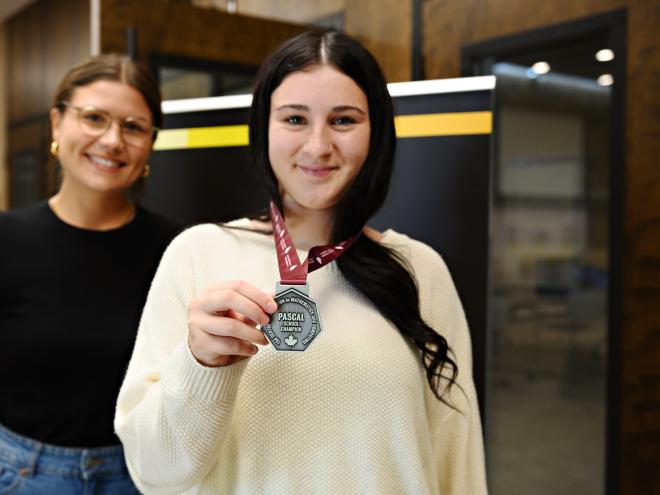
(546, 422)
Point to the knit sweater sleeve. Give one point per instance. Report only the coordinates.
(457, 435)
(172, 413)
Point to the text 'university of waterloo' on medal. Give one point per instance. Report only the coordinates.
(296, 322)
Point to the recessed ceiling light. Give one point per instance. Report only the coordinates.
(605, 80)
(541, 67)
(604, 55)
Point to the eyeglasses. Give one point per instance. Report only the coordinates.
(135, 131)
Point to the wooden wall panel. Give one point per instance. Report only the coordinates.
(385, 28)
(450, 24)
(640, 381)
(176, 28)
(43, 42)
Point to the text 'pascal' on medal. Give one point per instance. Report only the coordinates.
(291, 316)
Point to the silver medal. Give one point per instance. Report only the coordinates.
(296, 322)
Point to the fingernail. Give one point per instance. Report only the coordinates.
(265, 320)
(271, 307)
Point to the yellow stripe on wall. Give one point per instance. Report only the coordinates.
(218, 137)
(202, 137)
(171, 139)
(407, 126)
(443, 124)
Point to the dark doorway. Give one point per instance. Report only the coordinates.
(555, 263)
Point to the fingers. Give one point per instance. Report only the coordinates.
(226, 293)
(220, 340)
(222, 321)
(248, 321)
(211, 350)
(225, 326)
(211, 346)
(223, 300)
(234, 298)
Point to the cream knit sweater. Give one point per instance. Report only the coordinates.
(351, 415)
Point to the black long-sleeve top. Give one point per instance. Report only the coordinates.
(70, 304)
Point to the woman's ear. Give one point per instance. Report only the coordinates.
(55, 117)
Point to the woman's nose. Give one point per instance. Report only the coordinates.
(112, 137)
(319, 141)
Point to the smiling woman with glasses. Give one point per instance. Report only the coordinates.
(74, 273)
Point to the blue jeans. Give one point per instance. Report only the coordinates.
(28, 467)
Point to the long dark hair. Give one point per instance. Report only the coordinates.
(371, 267)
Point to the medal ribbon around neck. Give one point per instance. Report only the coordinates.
(292, 271)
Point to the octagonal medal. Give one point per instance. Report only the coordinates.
(296, 322)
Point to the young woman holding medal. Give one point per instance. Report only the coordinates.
(74, 275)
(365, 385)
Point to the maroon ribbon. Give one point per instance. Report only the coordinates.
(292, 271)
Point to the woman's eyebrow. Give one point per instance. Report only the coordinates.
(293, 106)
(304, 108)
(101, 109)
(348, 108)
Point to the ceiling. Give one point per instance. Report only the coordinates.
(575, 56)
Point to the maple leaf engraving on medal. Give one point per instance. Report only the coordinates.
(291, 341)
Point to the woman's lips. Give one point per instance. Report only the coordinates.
(321, 171)
(105, 164)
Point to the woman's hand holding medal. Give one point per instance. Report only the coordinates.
(222, 322)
